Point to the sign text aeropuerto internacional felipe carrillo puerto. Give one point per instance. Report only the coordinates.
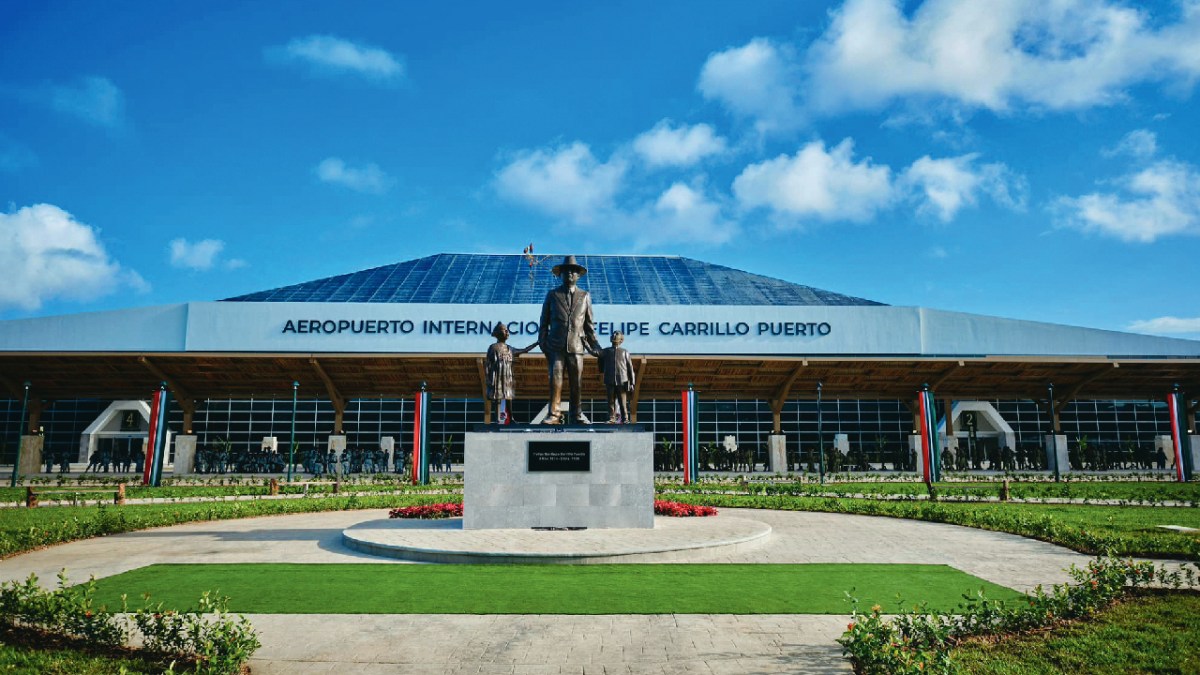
(629, 328)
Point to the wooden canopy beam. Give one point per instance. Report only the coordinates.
(1095, 375)
(781, 394)
(11, 388)
(946, 374)
(637, 388)
(183, 397)
(335, 396)
(35, 415)
(487, 403)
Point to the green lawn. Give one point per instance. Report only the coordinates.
(1149, 633)
(23, 529)
(1122, 530)
(547, 589)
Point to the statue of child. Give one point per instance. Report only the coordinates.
(618, 379)
(499, 372)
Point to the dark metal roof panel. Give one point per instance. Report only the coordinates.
(466, 278)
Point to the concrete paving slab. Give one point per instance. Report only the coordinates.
(446, 541)
(706, 644)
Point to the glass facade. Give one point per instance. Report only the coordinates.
(1102, 435)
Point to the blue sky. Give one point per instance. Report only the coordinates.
(1018, 158)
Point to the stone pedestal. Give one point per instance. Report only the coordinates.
(388, 445)
(577, 477)
(31, 455)
(338, 445)
(1056, 450)
(777, 453)
(185, 454)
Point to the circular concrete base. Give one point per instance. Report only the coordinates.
(444, 541)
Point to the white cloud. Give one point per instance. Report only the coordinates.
(567, 181)
(756, 80)
(95, 100)
(945, 186)
(200, 255)
(665, 145)
(1160, 200)
(47, 254)
(1138, 144)
(327, 53)
(999, 55)
(368, 178)
(1166, 325)
(682, 214)
(828, 186)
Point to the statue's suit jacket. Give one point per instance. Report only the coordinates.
(617, 367)
(567, 324)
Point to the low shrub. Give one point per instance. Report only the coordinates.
(429, 511)
(919, 640)
(209, 640)
(678, 510)
(69, 611)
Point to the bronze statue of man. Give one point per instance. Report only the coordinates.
(567, 331)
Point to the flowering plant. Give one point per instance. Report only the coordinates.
(444, 510)
(678, 510)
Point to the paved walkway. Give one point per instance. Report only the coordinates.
(528, 644)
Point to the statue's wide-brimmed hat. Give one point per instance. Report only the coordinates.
(568, 263)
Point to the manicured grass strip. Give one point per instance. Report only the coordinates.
(1149, 633)
(25, 529)
(548, 589)
(1120, 530)
(1129, 491)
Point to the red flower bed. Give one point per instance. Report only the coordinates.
(446, 510)
(665, 508)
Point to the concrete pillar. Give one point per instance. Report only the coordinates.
(1195, 443)
(31, 455)
(1056, 447)
(842, 443)
(777, 453)
(914, 446)
(1167, 446)
(388, 445)
(337, 444)
(185, 455)
(950, 443)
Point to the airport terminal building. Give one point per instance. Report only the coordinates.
(352, 350)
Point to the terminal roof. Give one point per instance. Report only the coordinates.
(462, 278)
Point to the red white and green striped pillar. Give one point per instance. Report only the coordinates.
(691, 461)
(157, 446)
(1180, 443)
(420, 458)
(929, 439)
